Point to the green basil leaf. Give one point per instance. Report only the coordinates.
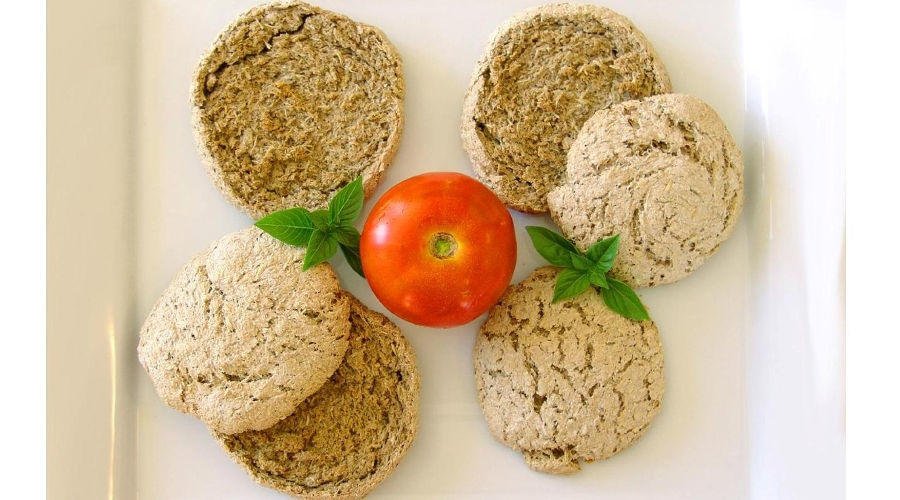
(580, 262)
(292, 226)
(621, 298)
(320, 219)
(345, 206)
(552, 246)
(570, 283)
(604, 252)
(598, 276)
(346, 236)
(321, 247)
(352, 256)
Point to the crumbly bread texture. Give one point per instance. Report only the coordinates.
(292, 103)
(665, 174)
(242, 335)
(543, 73)
(567, 382)
(345, 439)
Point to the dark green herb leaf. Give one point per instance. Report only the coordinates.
(322, 231)
(320, 219)
(352, 256)
(580, 262)
(292, 226)
(598, 276)
(621, 298)
(604, 252)
(570, 283)
(347, 203)
(321, 247)
(347, 236)
(553, 247)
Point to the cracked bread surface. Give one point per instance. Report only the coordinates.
(665, 174)
(568, 382)
(349, 436)
(242, 335)
(293, 102)
(544, 72)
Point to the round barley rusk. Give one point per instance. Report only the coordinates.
(567, 382)
(242, 335)
(544, 72)
(348, 437)
(292, 102)
(664, 173)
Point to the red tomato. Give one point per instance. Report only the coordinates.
(438, 249)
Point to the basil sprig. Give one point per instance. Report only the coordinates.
(582, 271)
(322, 232)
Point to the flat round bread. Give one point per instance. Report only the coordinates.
(664, 173)
(545, 72)
(292, 103)
(242, 335)
(345, 439)
(567, 382)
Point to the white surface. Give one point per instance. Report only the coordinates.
(871, 361)
(753, 340)
(794, 150)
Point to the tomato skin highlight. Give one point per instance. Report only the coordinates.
(438, 249)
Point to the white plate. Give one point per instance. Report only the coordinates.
(753, 340)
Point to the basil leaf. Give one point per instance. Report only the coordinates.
(351, 254)
(570, 283)
(580, 262)
(621, 298)
(321, 247)
(598, 276)
(345, 206)
(604, 252)
(292, 226)
(346, 236)
(553, 247)
(320, 220)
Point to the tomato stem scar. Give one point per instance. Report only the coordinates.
(442, 245)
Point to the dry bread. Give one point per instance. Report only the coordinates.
(566, 382)
(241, 336)
(350, 435)
(293, 102)
(665, 174)
(545, 72)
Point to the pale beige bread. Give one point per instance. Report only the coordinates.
(665, 174)
(292, 103)
(544, 72)
(345, 439)
(569, 382)
(242, 335)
